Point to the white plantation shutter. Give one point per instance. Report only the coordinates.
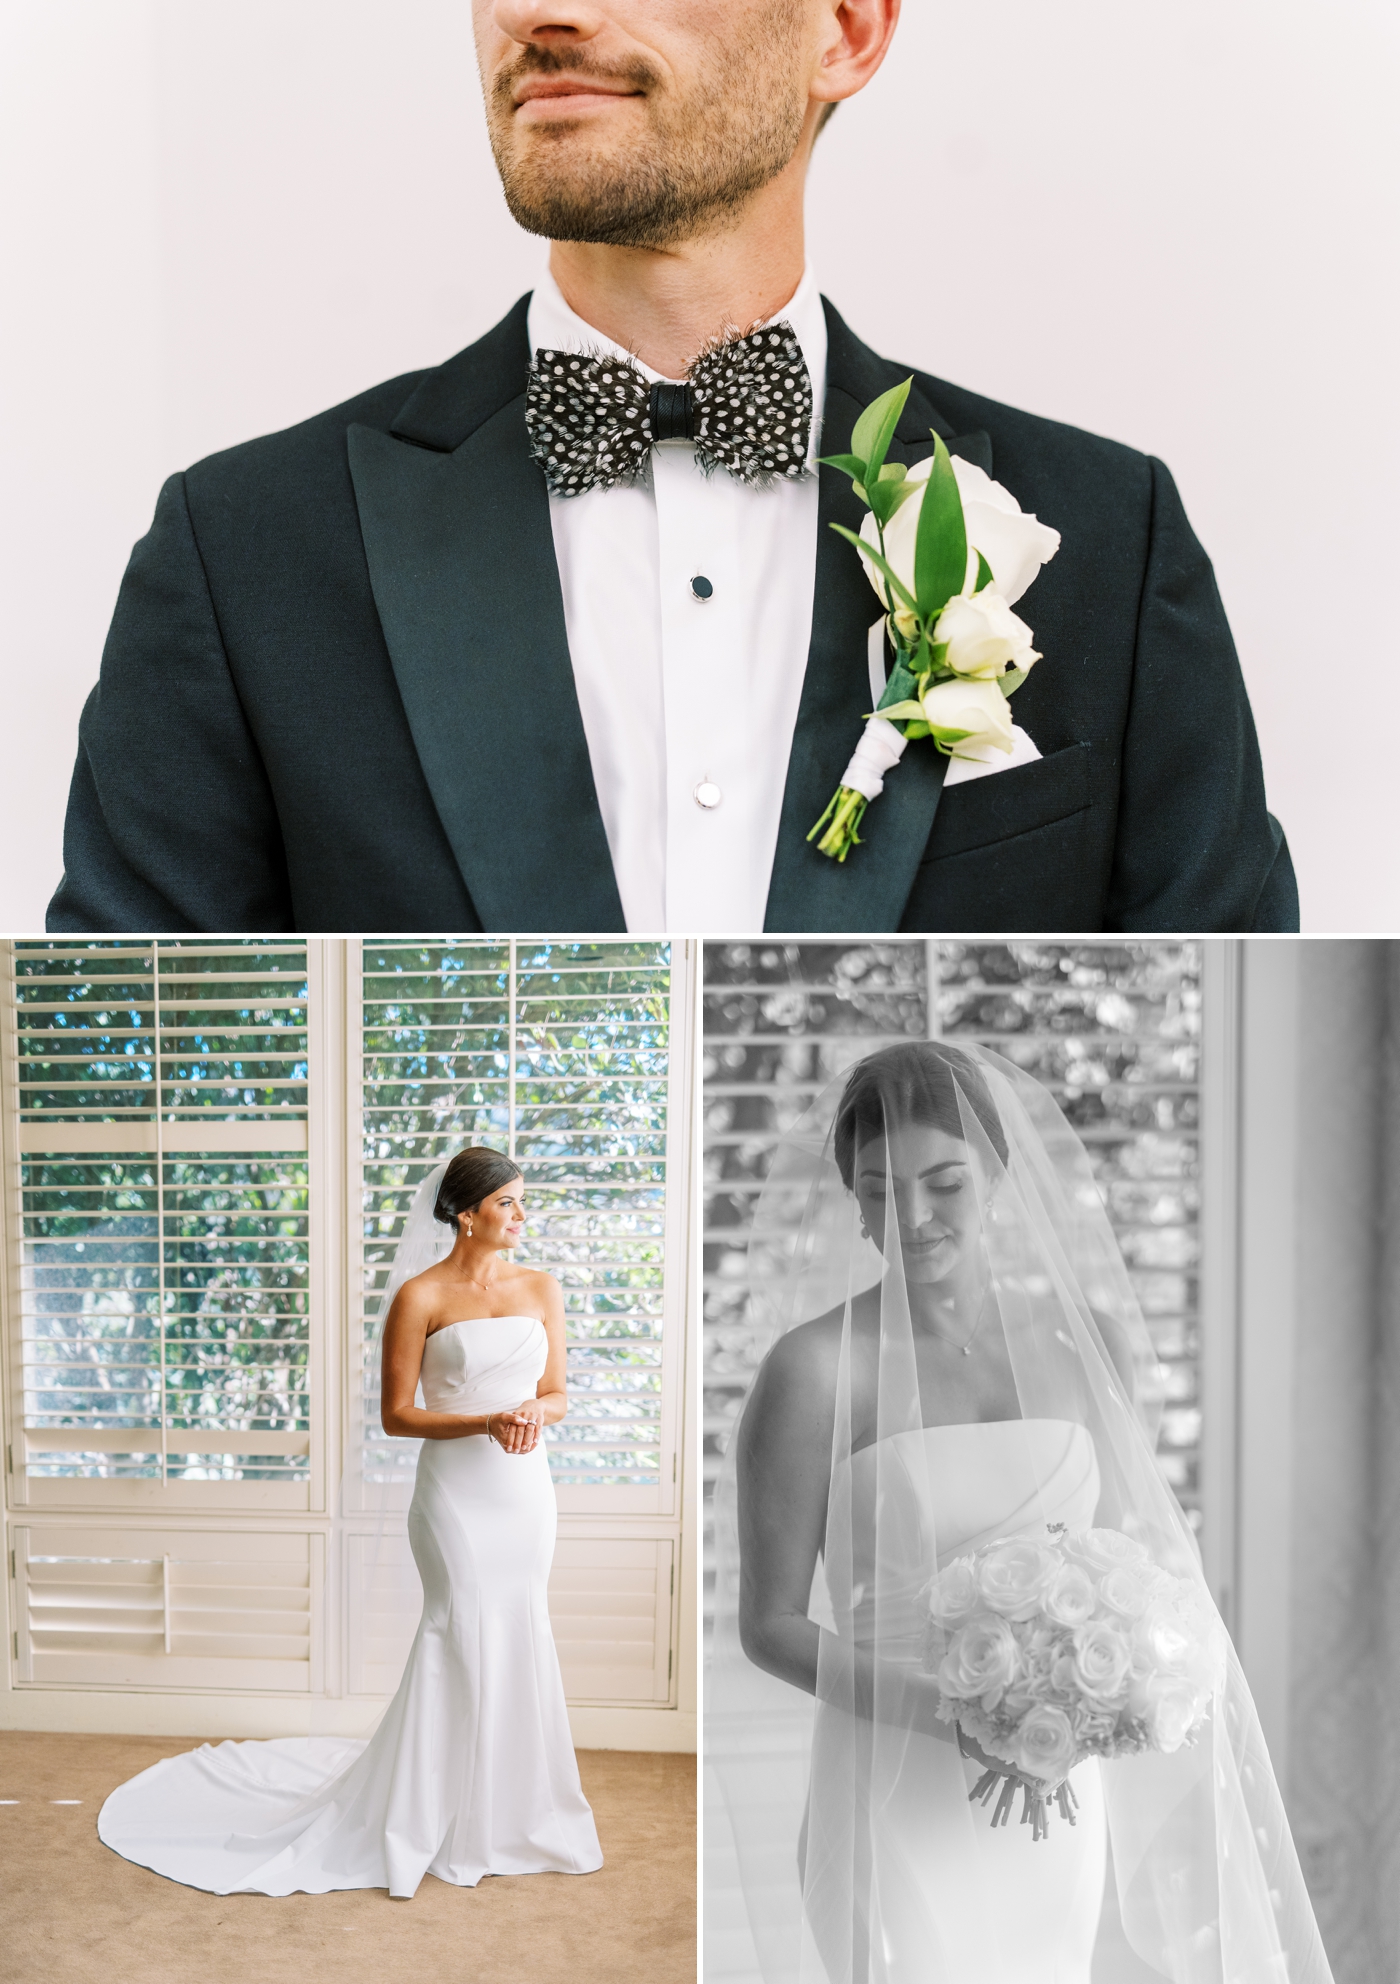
(610, 1601)
(159, 1270)
(189, 1608)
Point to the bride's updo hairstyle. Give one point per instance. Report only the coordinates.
(473, 1175)
(918, 1081)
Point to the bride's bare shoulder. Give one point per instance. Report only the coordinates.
(810, 1352)
(413, 1308)
(420, 1288)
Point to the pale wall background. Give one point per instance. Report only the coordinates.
(1171, 223)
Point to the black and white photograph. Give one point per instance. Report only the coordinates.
(1050, 1411)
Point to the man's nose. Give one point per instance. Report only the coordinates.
(548, 22)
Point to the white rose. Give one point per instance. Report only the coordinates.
(1128, 1589)
(1070, 1599)
(981, 1661)
(953, 1594)
(1014, 545)
(1012, 1577)
(1173, 1710)
(1104, 1549)
(1045, 1744)
(1167, 1643)
(1102, 1662)
(979, 708)
(983, 636)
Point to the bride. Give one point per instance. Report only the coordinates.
(955, 1357)
(471, 1770)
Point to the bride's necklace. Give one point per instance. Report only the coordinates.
(966, 1348)
(484, 1286)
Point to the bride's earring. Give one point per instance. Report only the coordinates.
(865, 1230)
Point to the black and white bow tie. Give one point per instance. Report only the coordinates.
(746, 403)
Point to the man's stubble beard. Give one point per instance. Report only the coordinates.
(693, 167)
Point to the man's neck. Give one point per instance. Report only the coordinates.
(665, 304)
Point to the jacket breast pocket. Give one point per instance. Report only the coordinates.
(1029, 849)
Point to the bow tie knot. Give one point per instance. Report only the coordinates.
(671, 410)
(746, 403)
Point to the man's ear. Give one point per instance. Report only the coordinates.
(858, 38)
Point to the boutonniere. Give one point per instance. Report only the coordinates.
(948, 552)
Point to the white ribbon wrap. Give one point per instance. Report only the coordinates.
(881, 747)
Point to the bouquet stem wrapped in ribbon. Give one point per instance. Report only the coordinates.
(1052, 1652)
(948, 551)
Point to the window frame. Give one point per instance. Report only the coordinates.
(94, 1495)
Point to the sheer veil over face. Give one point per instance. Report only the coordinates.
(953, 1355)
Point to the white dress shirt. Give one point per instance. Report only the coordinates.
(678, 693)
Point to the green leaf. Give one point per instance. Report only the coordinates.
(901, 591)
(946, 739)
(1012, 680)
(984, 574)
(875, 429)
(892, 489)
(852, 465)
(940, 545)
(902, 683)
(883, 498)
(915, 730)
(897, 712)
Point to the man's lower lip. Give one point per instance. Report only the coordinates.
(572, 99)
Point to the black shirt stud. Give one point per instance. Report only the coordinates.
(701, 587)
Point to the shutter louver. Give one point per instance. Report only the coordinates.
(163, 1303)
(142, 1608)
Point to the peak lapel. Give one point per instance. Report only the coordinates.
(455, 519)
(868, 891)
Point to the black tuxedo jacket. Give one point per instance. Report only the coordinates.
(337, 696)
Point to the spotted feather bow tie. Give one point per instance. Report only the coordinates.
(746, 403)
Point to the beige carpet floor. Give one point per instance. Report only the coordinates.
(72, 1912)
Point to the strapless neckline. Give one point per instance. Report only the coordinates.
(961, 1426)
(471, 1322)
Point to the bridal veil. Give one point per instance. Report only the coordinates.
(1203, 1886)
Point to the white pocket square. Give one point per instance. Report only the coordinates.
(1022, 752)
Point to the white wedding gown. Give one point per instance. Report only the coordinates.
(953, 1900)
(471, 1770)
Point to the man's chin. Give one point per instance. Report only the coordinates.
(592, 208)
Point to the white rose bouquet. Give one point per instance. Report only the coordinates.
(1051, 1652)
(948, 552)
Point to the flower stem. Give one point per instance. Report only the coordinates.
(845, 814)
